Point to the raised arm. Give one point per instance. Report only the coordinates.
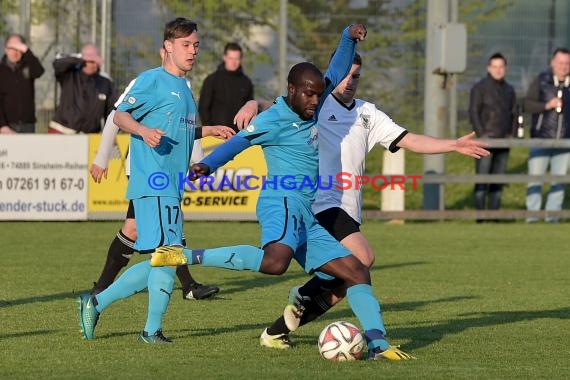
(36, 68)
(466, 145)
(341, 61)
(63, 65)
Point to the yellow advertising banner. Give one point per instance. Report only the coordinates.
(222, 196)
(109, 195)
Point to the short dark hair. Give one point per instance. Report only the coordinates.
(232, 46)
(22, 39)
(560, 50)
(178, 28)
(497, 56)
(298, 71)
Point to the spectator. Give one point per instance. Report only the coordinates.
(492, 108)
(19, 69)
(548, 100)
(225, 91)
(87, 97)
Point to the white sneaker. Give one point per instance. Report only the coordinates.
(295, 309)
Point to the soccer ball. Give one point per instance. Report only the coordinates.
(341, 341)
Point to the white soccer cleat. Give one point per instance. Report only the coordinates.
(294, 310)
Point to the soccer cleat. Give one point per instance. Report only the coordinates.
(88, 316)
(295, 309)
(280, 341)
(168, 256)
(392, 353)
(199, 292)
(156, 338)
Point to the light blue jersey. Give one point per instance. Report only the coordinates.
(158, 99)
(289, 143)
(290, 148)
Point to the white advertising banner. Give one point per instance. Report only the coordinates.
(43, 177)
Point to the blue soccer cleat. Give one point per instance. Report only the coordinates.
(88, 316)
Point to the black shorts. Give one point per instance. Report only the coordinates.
(131, 210)
(337, 222)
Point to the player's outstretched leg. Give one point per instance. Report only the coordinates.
(132, 281)
(191, 289)
(160, 285)
(239, 257)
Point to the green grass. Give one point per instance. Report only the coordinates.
(470, 301)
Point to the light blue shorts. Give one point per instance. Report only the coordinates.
(159, 222)
(290, 221)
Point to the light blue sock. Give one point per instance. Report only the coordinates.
(160, 285)
(237, 257)
(134, 280)
(367, 309)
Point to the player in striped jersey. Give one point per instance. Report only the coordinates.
(287, 133)
(349, 128)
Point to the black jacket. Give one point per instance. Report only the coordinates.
(85, 100)
(223, 93)
(492, 108)
(17, 93)
(546, 124)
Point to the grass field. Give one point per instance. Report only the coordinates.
(470, 301)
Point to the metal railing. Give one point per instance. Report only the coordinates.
(505, 214)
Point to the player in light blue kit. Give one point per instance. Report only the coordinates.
(287, 132)
(160, 112)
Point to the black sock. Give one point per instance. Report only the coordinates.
(278, 327)
(316, 285)
(120, 252)
(185, 278)
(316, 307)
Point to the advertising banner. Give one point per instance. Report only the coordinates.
(220, 197)
(43, 177)
(107, 199)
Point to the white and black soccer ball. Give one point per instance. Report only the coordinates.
(341, 341)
